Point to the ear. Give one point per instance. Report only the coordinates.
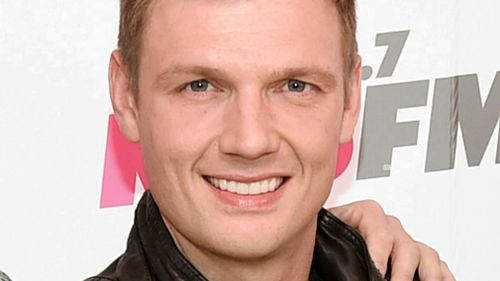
(351, 103)
(122, 98)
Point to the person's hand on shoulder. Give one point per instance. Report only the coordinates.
(393, 250)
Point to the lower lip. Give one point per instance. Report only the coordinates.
(249, 201)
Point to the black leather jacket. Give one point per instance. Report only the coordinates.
(340, 253)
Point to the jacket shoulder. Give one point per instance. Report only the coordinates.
(341, 251)
(107, 274)
(127, 267)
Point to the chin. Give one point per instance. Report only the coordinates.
(258, 247)
(255, 237)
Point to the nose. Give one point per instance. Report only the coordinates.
(248, 130)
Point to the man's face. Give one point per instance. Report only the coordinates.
(241, 97)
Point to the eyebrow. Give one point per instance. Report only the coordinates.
(199, 70)
(317, 74)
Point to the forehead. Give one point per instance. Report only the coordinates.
(252, 34)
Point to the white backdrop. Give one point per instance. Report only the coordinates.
(54, 109)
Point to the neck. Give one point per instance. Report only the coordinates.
(292, 261)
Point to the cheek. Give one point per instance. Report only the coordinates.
(174, 136)
(174, 130)
(314, 135)
(321, 153)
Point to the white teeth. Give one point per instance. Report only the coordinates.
(223, 184)
(273, 184)
(264, 187)
(253, 188)
(231, 186)
(242, 188)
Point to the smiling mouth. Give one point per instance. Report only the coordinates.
(247, 188)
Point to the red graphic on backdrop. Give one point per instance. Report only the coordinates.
(344, 156)
(123, 162)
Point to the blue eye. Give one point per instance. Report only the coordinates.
(199, 86)
(298, 86)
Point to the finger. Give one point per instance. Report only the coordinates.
(369, 219)
(447, 275)
(430, 264)
(405, 254)
(347, 213)
(380, 245)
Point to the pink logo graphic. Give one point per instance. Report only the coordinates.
(344, 156)
(123, 162)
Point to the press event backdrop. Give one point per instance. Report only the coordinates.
(427, 146)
